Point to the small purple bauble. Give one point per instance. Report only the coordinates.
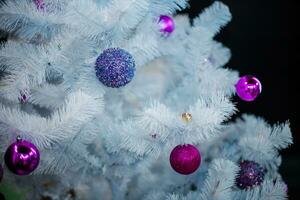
(115, 67)
(185, 159)
(251, 174)
(248, 88)
(1, 172)
(24, 96)
(40, 4)
(286, 188)
(22, 157)
(166, 24)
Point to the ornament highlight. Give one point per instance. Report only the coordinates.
(248, 88)
(185, 159)
(251, 174)
(166, 24)
(22, 157)
(115, 67)
(186, 117)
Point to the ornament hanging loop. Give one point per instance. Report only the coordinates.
(19, 138)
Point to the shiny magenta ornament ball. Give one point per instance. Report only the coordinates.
(22, 157)
(166, 24)
(185, 159)
(248, 88)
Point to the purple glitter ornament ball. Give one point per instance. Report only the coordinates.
(251, 174)
(166, 24)
(22, 157)
(185, 159)
(1, 172)
(248, 88)
(115, 67)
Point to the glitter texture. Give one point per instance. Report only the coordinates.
(166, 24)
(115, 67)
(22, 157)
(251, 174)
(185, 159)
(248, 88)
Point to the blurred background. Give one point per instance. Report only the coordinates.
(263, 40)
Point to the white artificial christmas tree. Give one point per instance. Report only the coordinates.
(109, 134)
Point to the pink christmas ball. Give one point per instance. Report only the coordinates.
(166, 24)
(185, 159)
(248, 88)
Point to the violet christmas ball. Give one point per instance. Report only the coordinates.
(185, 159)
(22, 157)
(251, 174)
(115, 67)
(166, 24)
(248, 88)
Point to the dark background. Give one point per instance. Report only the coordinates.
(262, 37)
